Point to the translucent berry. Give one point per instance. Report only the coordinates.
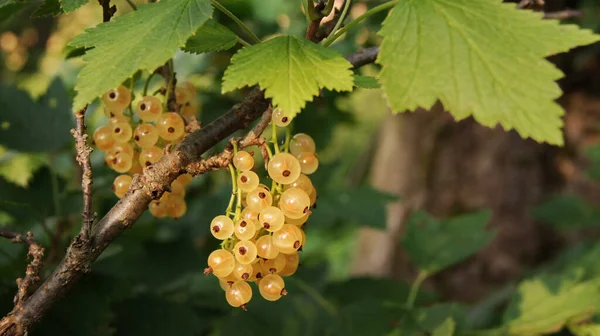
(118, 98)
(117, 119)
(170, 126)
(121, 132)
(220, 263)
(284, 168)
(136, 168)
(149, 108)
(185, 179)
(124, 147)
(245, 229)
(303, 182)
(150, 156)
(248, 181)
(239, 294)
(113, 111)
(158, 209)
(271, 218)
(297, 221)
(176, 207)
(251, 216)
(275, 265)
(288, 239)
(243, 161)
(121, 163)
(257, 272)
(121, 185)
(145, 135)
(191, 89)
(308, 162)
(258, 199)
(272, 287)
(221, 227)
(183, 94)
(178, 188)
(279, 119)
(291, 264)
(243, 271)
(245, 252)
(265, 247)
(103, 138)
(302, 143)
(227, 281)
(190, 109)
(294, 203)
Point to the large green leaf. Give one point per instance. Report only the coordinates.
(143, 39)
(568, 212)
(434, 245)
(48, 8)
(211, 36)
(9, 8)
(70, 5)
(290, 70)
(446, 328)
(35, 127)
(481, 58)
(19, 168)
(546, 303)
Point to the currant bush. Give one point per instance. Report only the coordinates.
(263, 227)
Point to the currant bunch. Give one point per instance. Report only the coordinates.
(262, 237)
(135, 138)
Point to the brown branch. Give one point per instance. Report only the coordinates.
(32, 276)
(83, 158)
(150, 185)
(363, 57)
(107, 10)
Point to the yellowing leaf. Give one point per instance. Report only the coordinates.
(480, 58)
(143, 39)
(290, 70)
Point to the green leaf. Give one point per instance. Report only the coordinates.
(481, 58)
(47, 8)
(370, 317)
(9, 8)
(70, 5)
(585, 330)
(432, 317)
(211, 36)
(434, 245)
(366, 82)
(290, 70)
(567, 212)
(19, 168)
(35, 127)
(593, 154)
(141, 40)
(546, 303)
(446, 328)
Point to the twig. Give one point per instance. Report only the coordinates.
(316, 15)
(168, 73)
(363, 57)
(527, 3)
(83, 158)
(107, 10)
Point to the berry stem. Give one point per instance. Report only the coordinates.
(274, 138)
(288, 137)
(145, 92)
(236, 20)
(342, 16)
(131, 4)
(414, 289)
(329, 40)
(169, 85)
(233, 189)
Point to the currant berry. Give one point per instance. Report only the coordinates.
(302, 143)
(299, 222)
(243, 161)
(158, 209)
(183, 95)
(185, 179)
(239, 294)
(103, 138)
(284, 168)
(257, 272)
(244, 229)
(245, 252)
(116, 119)
(135, 165)
(190, 109)
(308, 162)
(121, 132)
(170, 126)
(258, 199)
(227, 281)
(121, 163)
(176, 206)
(112, 112)
(150, 156)
(265, 247)
(303, 182)
(292, 261)
(121, 185)
(221, 227)
(248, 181)
(288, 239)
(118, 98)
(243, 271)
(272, 287)
(149, 108)
(178, 188)
(294, 203)
(271, 218)
(279, 119)
(275, 265)
(220, 263)
(124, 147)
(145, 135)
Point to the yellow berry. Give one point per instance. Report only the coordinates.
(265, 247)
(272, 287)
(150, 156)
(243, 161)
(149, 108)
(284, 168)
(221, 227)
(248, 181)
(258, 199)
(294, 203)
(121, 185)
(103, 138)
(238, 294)
(280, 119)
(220, 263)
(302, 143)
(245, 251)
(145, 135)
(170, 126)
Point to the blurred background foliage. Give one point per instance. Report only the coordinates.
(150, 280)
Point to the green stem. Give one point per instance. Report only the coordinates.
(236, 20)
(338, 24)
(308, 290)
(132, 4)
(305, 8)
(329, 40)
(414, 289)
(233, 189)
(169, 85)
(288, 137)
(274, 138)
(145, 92)
(243, 42)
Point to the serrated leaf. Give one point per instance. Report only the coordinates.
(35, 126)
(141, 40)
(434, 245)
(70, 5)
(47, 8)
(295, 71)
(568, 212)
(211, 36)
(366, 82)
(19, 168)
(481, 58)
(545, 304)
(446, 328)
(585, 330)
